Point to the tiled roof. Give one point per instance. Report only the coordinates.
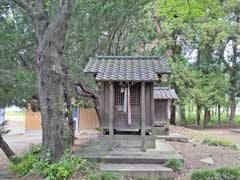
(164, 93)
(127, 68)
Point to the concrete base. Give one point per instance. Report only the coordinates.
(158, 155)
(132, 161)
(160, 131)
(139, 170)
(236, 130)
(128, 141)
(173, 137)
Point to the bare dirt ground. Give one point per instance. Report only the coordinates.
(194, 150)
(16, 123)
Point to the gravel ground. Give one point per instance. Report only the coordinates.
(194, 151)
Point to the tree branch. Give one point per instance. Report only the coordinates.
(25, 6)
(84, 92)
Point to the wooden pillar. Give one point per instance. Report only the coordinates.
(143, 116)
(152, 106)
(111, 94)
(168, 110)
(101, 89)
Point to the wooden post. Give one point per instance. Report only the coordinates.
(152, 106)
(168, 113)
(101, 87)
(143, 130)
(111, 116)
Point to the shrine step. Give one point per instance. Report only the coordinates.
(129, 156)
(139, 170)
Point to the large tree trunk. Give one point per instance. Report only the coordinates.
(49, 59)
(56, 132)
(205, 118)
(232, 99)
(198, 115)
(5, 148)
(233, 76)
(233, 85)
(207, 114)
(227, 111)
(219, 114)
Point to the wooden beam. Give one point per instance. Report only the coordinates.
(111, 94)
(143, 116)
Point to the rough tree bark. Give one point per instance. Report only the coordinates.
(3, 144)
(6, 149)
(233, 84)
(207, 115)
(49, 59)
(198, 115)
(219, 114)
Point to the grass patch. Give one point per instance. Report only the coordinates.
(221, 142)
(191, 119)
(174, 164)
(104, 176)
(225, 173)
(20, 113)
(217, 142)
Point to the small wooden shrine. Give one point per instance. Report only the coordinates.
(163, 97)
(126, 91)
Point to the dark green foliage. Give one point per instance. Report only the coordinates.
(30, 161)
(229, 173)
(17, 77)
(22, 165)
(225, 173)
(205, 175)
(65, 168)
(175, 164)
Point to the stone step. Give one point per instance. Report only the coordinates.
(140, 170)
(173, 137)
(5, 175)
(130, 156)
